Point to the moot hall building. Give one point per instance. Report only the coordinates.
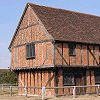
(54, 48)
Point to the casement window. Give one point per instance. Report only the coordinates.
(97, 76)
(72, 47)
(30, 50)
(68, 78)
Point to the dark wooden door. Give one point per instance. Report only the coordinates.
(80, 80)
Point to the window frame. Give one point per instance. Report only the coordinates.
(72, 49)
(30, 50)
(72, 77)
(97, 76)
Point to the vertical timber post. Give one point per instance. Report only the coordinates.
(25, 88)
(74, 91)
(98, 90)
(10, 90)
(43, 92)
(2, 87)
(55, 81)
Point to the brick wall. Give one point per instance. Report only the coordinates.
(36, 79)
(31, 30)
(84, 57)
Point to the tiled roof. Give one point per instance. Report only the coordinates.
(67, 25)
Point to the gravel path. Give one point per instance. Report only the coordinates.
(85, 97)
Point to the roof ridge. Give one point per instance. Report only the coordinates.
(32, 4)
(87, 30)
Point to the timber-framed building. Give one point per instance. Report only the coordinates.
(54, 48)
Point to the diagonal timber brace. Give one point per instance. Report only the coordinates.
(49, 80)
(61, 55)
(93, 56)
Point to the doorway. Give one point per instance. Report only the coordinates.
(80, 80)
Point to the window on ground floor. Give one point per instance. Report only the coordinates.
(74, 77)
(68, 78)
(97, 76)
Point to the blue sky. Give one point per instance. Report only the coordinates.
(11, 10)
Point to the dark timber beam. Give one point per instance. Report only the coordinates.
(61, 55)
(41, 41)
(93, 56)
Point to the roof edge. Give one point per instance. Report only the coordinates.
(18, 25)
(30, 4)
(83, 13)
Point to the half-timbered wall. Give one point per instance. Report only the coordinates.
(47, 54)
(43, 56)
(86, 55)
(36, 79)
(31, 30)
(83, 77)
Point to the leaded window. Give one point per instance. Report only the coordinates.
(68, 78)
(30, 50)
(97, 76)
(72, 47)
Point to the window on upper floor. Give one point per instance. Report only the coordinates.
(72, 47)
(30, 50)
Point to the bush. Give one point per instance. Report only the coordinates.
(8, 77)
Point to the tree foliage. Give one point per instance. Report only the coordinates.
(8, 77)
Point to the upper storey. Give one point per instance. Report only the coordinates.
(41, 25)
(31, 45)
(29, 29)
(61, 24)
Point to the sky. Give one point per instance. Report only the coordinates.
(11, 11)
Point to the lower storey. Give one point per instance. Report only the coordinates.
(33, 80)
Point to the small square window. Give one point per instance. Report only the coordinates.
(72, 47)
(30, 50)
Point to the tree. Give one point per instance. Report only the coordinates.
(8, 77)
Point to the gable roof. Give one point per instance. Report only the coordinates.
(67, 25)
